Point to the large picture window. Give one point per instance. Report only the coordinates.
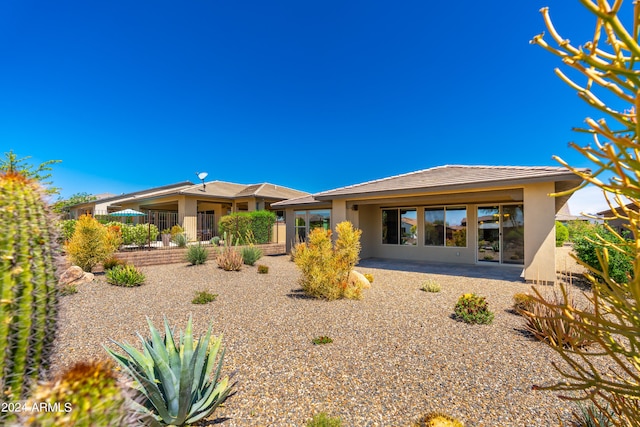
(305, 221)
(445, 226)
(399, 227)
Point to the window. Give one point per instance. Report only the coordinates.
(446, 226)
(399, 226)
(305, 221)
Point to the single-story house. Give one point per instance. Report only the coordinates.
(196, 207)
(484, 215)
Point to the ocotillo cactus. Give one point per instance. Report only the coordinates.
(28, 298)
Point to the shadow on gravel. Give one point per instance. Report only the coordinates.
(219, 420)
(299, 294)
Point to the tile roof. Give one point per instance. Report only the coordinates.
(451, 177)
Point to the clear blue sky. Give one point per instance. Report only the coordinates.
(309, 95)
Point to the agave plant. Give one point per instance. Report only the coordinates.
(180, 381)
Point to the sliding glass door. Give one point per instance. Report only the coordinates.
(501, 234)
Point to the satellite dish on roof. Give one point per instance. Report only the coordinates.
(201, 177)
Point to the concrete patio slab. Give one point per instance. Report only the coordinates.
(490, 271)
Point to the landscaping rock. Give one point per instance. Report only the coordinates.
(356, 277)
(74, 275)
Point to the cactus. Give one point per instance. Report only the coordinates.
(28, 298)
(87, 394)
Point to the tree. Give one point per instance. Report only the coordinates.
(62, 205)
(607, 64)
(11, 163)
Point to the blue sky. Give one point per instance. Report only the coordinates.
(309, 95)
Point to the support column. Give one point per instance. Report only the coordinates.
(188, 217)
(539, 233)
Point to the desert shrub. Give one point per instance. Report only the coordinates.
(68, 290)
(111, 262)
(203, 297)
(620, 266)
(325, 267)
(229, 259)
(125, 275)
(180, 240)
(90, 244)
(263, 269)
(251, 254)
(197, 254)
(591, 416)
(521, 301)
(215, 240)
(323, 420)
(369, 277)
(175, 230)
(322, 340)
(177, 377)
(437, 419)
(472, 308)
(235, 225)
(562, 234)
(430, 285)
(548, 324)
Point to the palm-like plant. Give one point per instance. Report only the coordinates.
(179, 381)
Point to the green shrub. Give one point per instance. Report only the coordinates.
(203, 297)
(180, 239)
(430, 285)
(325, 267)
(262, 225)
(251, 254)
(236, 225)
(178, 379)
(263, 269)
(139, 234)
(620, 266)
(562, 234)
(577, 229)
(67, 228)
(548, 324)
(125, 275)
(322, 340)
(323, 420)
(215, 240)
(197, 254)
(472, 308)
(90, 244)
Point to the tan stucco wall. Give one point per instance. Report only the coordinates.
(187, 216)
(539, 233)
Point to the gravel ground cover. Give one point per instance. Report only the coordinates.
(395, 355)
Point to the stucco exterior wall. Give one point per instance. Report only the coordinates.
(539, 233)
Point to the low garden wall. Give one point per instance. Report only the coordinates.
(141, 258)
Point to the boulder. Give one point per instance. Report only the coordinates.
(74, 275)
(356, 277)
